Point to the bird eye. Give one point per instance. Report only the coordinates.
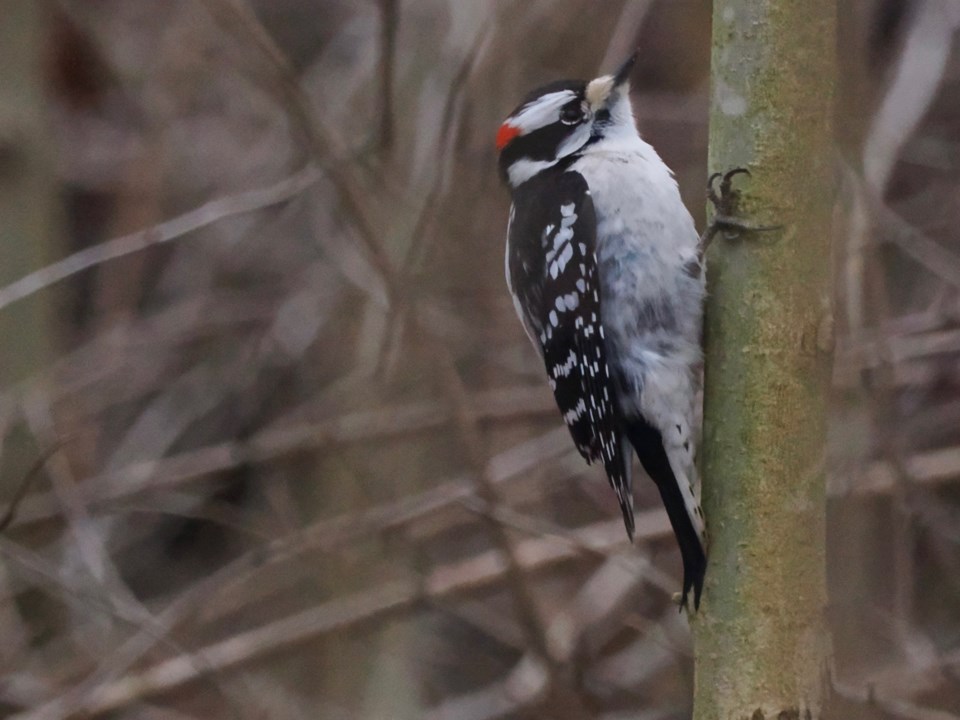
(571, 114)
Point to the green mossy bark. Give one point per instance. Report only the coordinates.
(27, 190)
(27, 209)
(761, 646)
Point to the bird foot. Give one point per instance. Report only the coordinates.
(725, 200)
(680, 600)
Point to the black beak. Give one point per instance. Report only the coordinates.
(623, 74)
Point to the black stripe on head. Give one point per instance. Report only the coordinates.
(541, 144)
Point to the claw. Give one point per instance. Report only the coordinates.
(727, 196)
(712, 195)
(724, 198)
(727, 176)
(735, 171)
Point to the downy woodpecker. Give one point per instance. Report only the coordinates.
(604, 266)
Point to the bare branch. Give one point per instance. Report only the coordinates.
(872, 697)
(149, 475)
(389, 19)
(626, 29)
(279, 79)
(172, 229)
(455, 578)
(239, 648)
(919, 74)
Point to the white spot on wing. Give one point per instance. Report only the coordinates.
(563, 235)
(572, 415)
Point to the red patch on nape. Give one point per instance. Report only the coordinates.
(505, 134)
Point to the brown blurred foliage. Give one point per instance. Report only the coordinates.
(289, 454)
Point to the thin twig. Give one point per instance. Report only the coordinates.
(918, 75)
(32, 473)
(101, 491)
(389, 19)
(172, 229)
(27, 561)
(895, 707)
(343, 613)
(609, 586)
(238, 581)
(563, 699)
(626, 30)
(280, 80)
(239, 648)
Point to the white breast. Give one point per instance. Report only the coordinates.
(635, 193)
(652, 308)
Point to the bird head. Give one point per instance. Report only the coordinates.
(557, 121)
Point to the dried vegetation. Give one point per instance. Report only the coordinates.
(291, 456)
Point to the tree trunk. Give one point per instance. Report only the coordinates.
(761, 645)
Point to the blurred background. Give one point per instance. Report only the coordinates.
(274, 444)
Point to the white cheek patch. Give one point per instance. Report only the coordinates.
(522, 170)
(574, 141)
(541, 112)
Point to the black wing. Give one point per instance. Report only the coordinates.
(552, 271)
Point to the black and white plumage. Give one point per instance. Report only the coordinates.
(603, 264)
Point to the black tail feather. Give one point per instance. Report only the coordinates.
(626, 508)
(648, 443)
